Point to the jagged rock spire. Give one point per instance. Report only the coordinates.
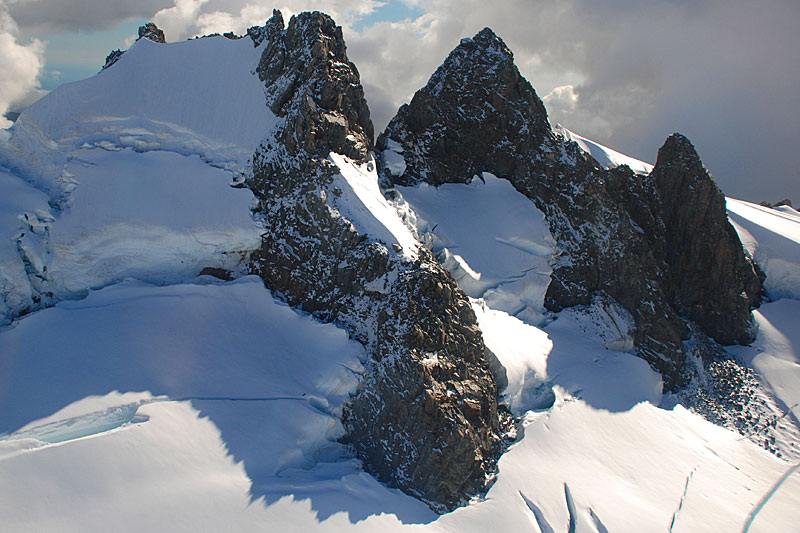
(151, 32)
(474, 105)
(430, 430)
(715, 283)
(310, 80)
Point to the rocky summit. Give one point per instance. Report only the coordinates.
(660, 245)
(425, 418)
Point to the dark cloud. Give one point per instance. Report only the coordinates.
(723, 72)
(44, 16)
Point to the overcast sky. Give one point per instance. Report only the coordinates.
(625, 73)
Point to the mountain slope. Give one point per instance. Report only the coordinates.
(183, 402)
(661, 247)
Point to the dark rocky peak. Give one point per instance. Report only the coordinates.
(476, 108)
(151, 32)
(617, 234)
(472, 60)
(310, 80)
(785, 202)
(432, 430)
(715, 284)
(271, 30)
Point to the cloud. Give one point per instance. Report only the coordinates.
(44, 16)
(723, 72)
(178, 20)
(563, 98)
(187, 18)
(20, 66)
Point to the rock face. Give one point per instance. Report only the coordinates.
(425, 418)
(150, 31)
(617, 233)
(714, 283)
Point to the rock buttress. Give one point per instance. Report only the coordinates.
(425, 418)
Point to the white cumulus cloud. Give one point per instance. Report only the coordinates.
(20, 66)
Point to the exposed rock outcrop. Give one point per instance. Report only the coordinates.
(425, 418)
(617, 233)
(149, 31)
(715, 284)
(112, 58)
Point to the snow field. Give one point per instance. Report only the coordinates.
(127, 173)
(493, 240)
(772, 238)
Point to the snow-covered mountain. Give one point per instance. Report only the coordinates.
(223, 307)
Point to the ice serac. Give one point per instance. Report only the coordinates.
(425, 418)
(615, 234)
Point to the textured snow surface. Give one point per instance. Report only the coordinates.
(493, 240)
(193, 97)
(772, 238)
(16, 198)
(209, 406)
(776, 352)
(128, 173)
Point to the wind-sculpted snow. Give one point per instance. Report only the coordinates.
(195, 97)
(154, 216)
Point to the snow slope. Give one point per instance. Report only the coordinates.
(772, 238)
(604, 155)
(193, 97)
(129, 173)
(493, 240)
(219, 428)
(356, 195)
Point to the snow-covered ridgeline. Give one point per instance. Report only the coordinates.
(770, 236)
(604, 155)
(128, 173)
